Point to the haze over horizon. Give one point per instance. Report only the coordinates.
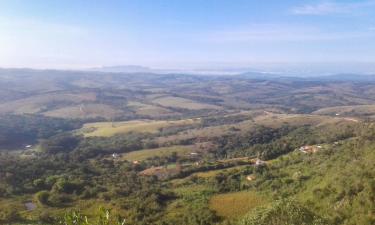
(313, 36)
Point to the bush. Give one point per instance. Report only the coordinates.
(9, 214)
(42, 197)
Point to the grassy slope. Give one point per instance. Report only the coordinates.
(336, 180)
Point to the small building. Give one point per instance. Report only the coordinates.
(136, 162)
(250, 177)
(115, 155)
(259, 162)
(28, 146)
(310, 148)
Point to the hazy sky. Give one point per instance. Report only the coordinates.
(173, 33)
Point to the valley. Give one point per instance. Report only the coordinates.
(185, 149)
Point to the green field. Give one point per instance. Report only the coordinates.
(107, 129)
(149, 153)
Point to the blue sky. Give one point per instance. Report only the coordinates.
(190, 33)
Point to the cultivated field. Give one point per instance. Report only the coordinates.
(232, 205)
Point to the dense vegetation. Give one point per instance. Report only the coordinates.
(27, 129)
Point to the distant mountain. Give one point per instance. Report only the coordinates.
(192, 71)
(329, 78)
(345, 77)
(123, 69)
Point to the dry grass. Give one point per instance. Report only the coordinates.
(38, 103)
(150, 110)
(233, 205)
(177, 102)
(357, 110)
(107, 129)
(85, 111)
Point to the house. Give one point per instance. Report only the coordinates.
(250, 177)
(310, 148)
(259, 162)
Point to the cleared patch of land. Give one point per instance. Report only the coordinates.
(233, 205)
(150, 110)
(356, 110)
(149, 153)
(85, 111)
(213, 173)
(107, 129)
(44, 102)
(177, 102)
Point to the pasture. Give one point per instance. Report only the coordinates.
(157, 152)
(107, 129)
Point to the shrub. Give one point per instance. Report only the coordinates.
(42, 197)
(9, 214)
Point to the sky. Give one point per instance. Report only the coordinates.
(73, 34)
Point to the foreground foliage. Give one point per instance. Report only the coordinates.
(104, 218)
